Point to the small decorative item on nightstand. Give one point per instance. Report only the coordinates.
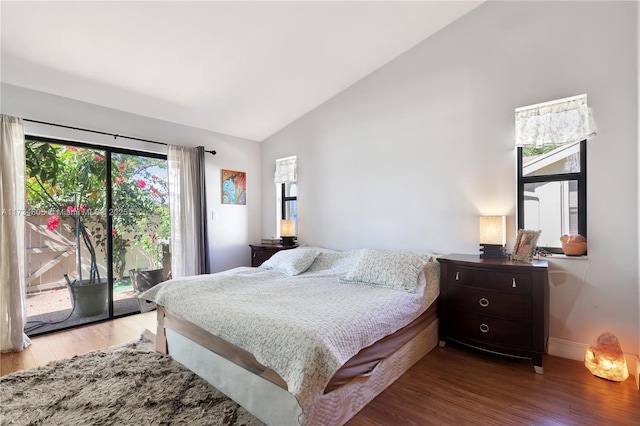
(525, 246)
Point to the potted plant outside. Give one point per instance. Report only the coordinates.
(153, 247)
(88, 299)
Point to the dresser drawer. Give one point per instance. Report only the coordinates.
(471, 328)
(490, 279)
(488, 302)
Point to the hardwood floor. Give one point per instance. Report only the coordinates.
(458, 386)
(77, 341)
(450, 386)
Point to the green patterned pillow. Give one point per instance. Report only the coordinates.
(385, 268)
(291, 261)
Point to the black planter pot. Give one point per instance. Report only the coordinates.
(89, 299)
(143, 280)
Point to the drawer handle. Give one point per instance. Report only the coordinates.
(458, 276)
(513, 283)
(484, 302)
(484, 328)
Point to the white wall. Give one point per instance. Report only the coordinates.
(231, 228)
(410, 156)
(638, 189)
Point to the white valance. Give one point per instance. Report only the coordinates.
(560, 122)
(286, 170)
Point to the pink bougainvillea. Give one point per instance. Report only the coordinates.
(53, 222)
(72, 209)
(141, 183)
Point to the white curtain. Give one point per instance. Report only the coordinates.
(13, 308)
(286, 170)
(187, 205)
(560, 122)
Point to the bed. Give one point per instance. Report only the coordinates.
(310, 337)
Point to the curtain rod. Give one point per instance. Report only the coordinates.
(115, 136)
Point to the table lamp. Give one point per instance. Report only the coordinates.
(493, 237)
(287, 232)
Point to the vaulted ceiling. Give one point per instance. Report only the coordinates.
(245, 69)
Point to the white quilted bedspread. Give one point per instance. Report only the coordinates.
(303, 327)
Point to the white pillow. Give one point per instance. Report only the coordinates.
(391, 269)
(291, 261)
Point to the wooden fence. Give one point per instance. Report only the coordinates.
(49, 254)
(52, 254)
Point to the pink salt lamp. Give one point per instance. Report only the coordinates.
(604, 358)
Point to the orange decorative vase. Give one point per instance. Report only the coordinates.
(574, 245)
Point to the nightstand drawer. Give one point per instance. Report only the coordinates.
(483, 329)
(494, 280)
(261, 253)
(260, 256)
(487, 302)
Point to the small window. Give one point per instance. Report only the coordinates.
(552, 188)
(289, 205)
(286, 176)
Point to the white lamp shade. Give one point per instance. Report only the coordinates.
(493, 230)
(287, 228)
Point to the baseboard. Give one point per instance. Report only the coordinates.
(633, 364)
(575, 350)
(566, 348)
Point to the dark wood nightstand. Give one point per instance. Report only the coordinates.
(260, 253)
(496, 305)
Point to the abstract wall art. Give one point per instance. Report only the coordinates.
(234, 187)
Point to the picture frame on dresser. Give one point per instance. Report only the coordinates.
(525, 246)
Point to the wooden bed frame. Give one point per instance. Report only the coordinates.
(264, 393)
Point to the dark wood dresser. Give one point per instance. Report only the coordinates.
(496, 305)
(260, 253)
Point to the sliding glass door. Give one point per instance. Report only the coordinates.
(98, 221)
(140, 227)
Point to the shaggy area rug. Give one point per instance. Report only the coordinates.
(126, 385)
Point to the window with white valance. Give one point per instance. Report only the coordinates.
(286, 176)
(551, 145)
(559, 122)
